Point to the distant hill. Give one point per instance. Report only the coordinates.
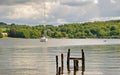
(97, 29)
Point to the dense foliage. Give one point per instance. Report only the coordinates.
(1, 33)
(98, 29)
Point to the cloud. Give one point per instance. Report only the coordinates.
(78, 2)
(113, 1)
(23, 12)
(13, 2)
(27, 12)
(108, 9)
(105, 18)
(57, 11)
(16, 2)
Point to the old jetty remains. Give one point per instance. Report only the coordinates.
(60, 69)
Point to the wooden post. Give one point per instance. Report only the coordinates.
(82, 73)
(56, 65)
(74, 73)
(68, 60)
(62, 63)
(75, 65)
(59, 71)
(83, 60)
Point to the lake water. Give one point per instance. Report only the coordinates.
(31, 57)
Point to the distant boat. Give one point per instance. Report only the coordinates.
(105, 40)
(43, 39)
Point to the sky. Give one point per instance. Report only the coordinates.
(57, 12)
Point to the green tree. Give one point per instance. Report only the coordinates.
(12, 33)
(57, 34)
(34, 33)
(26, 34)
(112, 28)
(1, 33)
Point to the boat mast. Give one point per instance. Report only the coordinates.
(44, 19)
(44, 39)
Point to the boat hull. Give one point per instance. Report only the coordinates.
(43, 39)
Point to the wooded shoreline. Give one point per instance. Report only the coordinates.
(97, 29)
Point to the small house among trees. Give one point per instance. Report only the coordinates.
(4, 34)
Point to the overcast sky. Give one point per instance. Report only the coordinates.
(58, 11)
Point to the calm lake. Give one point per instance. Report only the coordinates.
(32, 57)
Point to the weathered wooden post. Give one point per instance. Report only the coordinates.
(59, 72)
(82, 73)
(56, 65)
(83, 60)
(62, 66)
(68, 60)
(75, 65)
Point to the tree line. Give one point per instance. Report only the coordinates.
(97, 29)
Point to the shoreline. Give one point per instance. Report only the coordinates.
(57, 38)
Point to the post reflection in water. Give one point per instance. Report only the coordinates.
(29, 62)
(75, 73)
(82, 71)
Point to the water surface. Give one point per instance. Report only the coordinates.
(30, 57)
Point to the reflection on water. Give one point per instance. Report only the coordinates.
(100, 60)
(24, 62)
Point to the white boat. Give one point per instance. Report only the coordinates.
(43, 39)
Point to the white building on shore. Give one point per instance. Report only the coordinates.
(5, 34)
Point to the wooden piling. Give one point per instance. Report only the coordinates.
(74, 73)
(62, 66)
(82, 73)
(83, 60)
(56, 65)
(68, 60)
(59, 72)
(75, 65)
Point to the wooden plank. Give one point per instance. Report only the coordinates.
(75, 66)
(73, 58)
